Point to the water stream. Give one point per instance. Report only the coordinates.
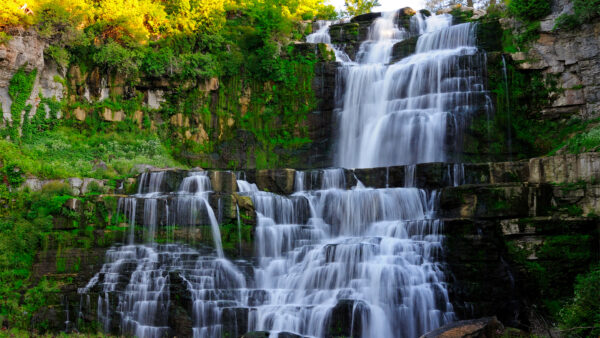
(329, 261)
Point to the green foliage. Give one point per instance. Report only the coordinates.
(585, 141)
(60, 55)
(567, 22)
(581, 316)
(357, 7)
(69, 152)
(13, 174)
(549, 278)
(19, 90)
(4, 38)
(518, 109)
(529, 10)
(116, 58)
(529, 34)
(585, 11)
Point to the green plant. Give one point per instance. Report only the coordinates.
(585, 11)
(584, 142)
(19, 90)
(14, 174)
(4, 38)
(567, 21)
(581, 316)
(529, 9)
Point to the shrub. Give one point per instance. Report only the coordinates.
(585, 11)
(581, 317)
(529, 10)
(566, 21)
(585, 142)
(115, 57)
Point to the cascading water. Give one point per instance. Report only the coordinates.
(321, 35)
(330, 261)
(140, 274)
(372, 250)
(410, 111)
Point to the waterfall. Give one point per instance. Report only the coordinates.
(321, 35)
(330, 259)
(374, 250)
(507, 109)
(140, 274)
(411, 111)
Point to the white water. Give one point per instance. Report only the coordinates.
(375, 249)
(143, 301)
(329, 261)
(507, 109)
(321, 35)
(401, 113)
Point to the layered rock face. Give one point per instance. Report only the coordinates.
(26, 49)
(572, 57)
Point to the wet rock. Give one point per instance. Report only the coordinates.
(480, 282)
(485, 201)
(246, 206)
(344, 319)
(223, 181)
(235, 321)
(180, 322)
(404, 48)
(279, 181)
(381, 177)
(367, 17)
(481, 328)
(403, 17)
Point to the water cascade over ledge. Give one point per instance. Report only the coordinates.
(328, 260)
(412, 111)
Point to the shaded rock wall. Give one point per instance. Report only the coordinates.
(572, 56)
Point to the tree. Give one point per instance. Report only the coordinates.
(436, 5)
(357, 7)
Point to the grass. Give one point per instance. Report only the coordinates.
(584, 142)
(69, 152)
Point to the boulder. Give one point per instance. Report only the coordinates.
(481, 328)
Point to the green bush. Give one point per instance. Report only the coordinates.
(585, 142)
(567, 21)
(581, 317)
(529, 10)
(584, 11)
(114, 57)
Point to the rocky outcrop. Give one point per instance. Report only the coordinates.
(26, 50)
(569, 168)
(571, 57)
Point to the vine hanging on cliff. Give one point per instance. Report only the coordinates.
(19, 90)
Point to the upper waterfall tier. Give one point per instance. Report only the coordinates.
(412, 111)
